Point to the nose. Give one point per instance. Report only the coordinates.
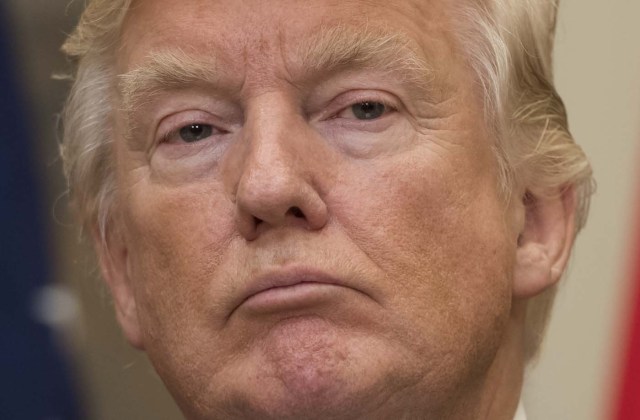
(278, 186)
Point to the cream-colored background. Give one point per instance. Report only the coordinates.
(598, 75)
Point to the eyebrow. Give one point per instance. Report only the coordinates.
(328, 50)
(335, 48)
(165, 71)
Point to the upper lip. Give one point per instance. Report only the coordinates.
(286, 277)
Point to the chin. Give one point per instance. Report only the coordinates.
(306, 368)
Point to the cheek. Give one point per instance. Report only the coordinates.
(438, 233)
(177, 238)
(419, 208)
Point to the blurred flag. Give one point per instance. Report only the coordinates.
(628, 405)
(34, 379)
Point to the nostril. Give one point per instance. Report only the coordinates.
(296, 212)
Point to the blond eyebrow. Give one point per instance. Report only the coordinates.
(165, 71)
(338, 47)
(328, 50)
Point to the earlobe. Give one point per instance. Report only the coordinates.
(112, 255)
(544, 245)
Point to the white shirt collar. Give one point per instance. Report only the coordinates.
(520, 414)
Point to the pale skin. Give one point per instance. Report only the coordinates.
(351, 173)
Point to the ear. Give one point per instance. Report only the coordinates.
(544, 245)
(112, 255)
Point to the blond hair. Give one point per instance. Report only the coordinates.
(508, 44)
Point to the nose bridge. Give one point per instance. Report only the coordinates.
(276, 183)
(273, 136)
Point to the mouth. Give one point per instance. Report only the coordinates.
(289, 290)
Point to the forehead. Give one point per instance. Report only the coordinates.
(237, 30)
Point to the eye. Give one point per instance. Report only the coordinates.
(195, 132)
(365, 111)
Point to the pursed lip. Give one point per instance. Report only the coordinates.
(288, 277)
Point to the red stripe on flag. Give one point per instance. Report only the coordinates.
(628, 407)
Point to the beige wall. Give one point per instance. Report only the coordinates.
(598, 74)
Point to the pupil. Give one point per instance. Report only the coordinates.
(195, 132)
(368, 110)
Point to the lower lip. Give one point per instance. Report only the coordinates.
(288, 298)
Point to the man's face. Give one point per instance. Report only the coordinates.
(310, 213)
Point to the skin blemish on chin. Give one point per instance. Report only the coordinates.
(307, 356)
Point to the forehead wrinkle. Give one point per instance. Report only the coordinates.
(342, 47)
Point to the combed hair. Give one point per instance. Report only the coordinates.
(87, 117)
(507, 43)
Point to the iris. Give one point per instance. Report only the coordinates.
(368, 110)
(195, 132)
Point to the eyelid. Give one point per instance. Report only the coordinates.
(349, 109)
(351, 98)
(169, 137)
(171, 125)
